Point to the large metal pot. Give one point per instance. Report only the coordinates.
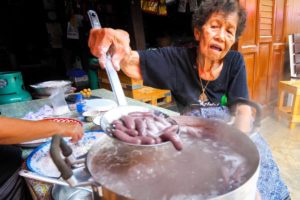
(217, 162)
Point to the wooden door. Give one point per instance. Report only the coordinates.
(263, 47)
(247, 43)
(265, 35)
(275, 73)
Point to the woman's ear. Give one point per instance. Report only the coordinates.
(197, 34)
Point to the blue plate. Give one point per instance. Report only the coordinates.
(40, 161)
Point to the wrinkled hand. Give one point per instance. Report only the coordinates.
(243, 118)
(112, 41)
(257, 195)
(73, 130)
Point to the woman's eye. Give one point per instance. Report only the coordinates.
(231, 32)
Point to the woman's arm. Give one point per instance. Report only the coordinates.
(116, 43)
(243, 118)
(14, 131)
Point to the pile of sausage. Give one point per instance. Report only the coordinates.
(145, 128)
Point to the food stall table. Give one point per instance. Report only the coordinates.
(38, 189)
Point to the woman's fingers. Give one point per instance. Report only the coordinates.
(78, 132)
(73, 130)
(106, 40)
(99, 43)
(257, 196)
(121, 47)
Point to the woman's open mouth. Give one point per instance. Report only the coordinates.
(216, 47)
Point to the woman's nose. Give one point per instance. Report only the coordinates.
(221, 34)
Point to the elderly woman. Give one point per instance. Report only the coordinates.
(208, 74)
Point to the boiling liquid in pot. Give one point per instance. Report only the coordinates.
(205, 168)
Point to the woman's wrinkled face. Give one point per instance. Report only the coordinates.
(217, 35)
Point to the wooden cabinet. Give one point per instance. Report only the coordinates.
(263, 48)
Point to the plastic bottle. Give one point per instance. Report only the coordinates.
(80, 105)
(224, 100)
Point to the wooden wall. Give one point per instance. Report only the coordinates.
(263, 48)
(293, 16)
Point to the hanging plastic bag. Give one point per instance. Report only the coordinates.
(59, 103)
(182, 6)
(157, 7)
(193, 5)
(162, 8)
(150, 6)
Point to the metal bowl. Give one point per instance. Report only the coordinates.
(60, 192)
(49, 87)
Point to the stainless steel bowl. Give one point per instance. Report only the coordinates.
(49, 87)
(60, 192)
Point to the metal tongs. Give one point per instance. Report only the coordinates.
(111, 72)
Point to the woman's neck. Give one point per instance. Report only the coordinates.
(207, 69)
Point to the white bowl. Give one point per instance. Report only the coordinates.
(90, 115)
(102, 105)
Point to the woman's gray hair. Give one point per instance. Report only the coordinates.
(208, 7)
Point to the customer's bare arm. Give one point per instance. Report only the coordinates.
(116, 43)
(13, 131)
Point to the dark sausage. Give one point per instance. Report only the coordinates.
(152, 129)
(170, 129)
(141, 114)
(119, 125)
(128, 121)
(160, 125)
(115, 122)
(170, 134)
(162, 120)
(140, 126)
(158, 140)
(125, 137)
(130, 132)
(146, 139)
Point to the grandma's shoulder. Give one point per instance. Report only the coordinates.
(234, 55)
(175, 49)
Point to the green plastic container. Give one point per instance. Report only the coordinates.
(12, 88)
(93, 73)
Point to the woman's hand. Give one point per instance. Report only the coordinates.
(73, 130)
(15, 131)
(257, 196)
(243, 118)
(112, 41)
